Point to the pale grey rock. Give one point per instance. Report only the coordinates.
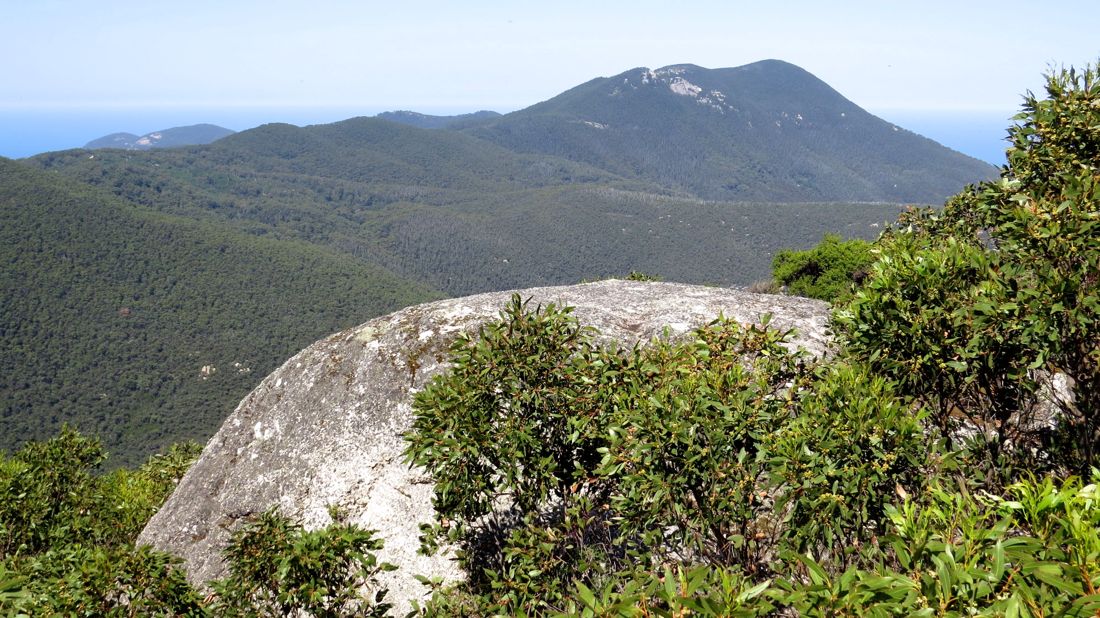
(325, 428)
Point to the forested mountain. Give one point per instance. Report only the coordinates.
(765, 131)
(168, 138)
(427, 121)
(127, 271)
(111, 311)
(455, 212)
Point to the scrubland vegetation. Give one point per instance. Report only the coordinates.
(942, 463)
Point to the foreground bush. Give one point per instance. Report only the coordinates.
(560, 466)
(67, 546)
(278, 569)
(974, 307)
(722, 475)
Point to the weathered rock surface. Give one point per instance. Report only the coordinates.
(325, 428)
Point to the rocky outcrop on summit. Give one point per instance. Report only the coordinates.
(325, 428)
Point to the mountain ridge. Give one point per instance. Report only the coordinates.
(190, 135)
(429, 121)
(768, 130)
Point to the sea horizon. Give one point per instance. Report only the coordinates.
(26, 132)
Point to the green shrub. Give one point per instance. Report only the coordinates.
(512, 439)
(1034, 554)
(973, 308)
(715, 451)
(278, 569)
(933, 319)
(53, 497)
(88, 580)
(836, 466)
(698, 591)
(637, 275)
(14, 596)
(67, 545)
(829, 271)
(495, 427)
(49, 494)
(686, 452)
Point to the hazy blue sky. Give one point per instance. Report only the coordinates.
(461, 56)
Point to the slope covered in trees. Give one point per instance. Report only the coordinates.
(457, 213)
(274, 229)
(359, 204)
(765, 131)
(111, 311)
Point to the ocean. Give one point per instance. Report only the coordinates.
(981, 135)
(24, 133)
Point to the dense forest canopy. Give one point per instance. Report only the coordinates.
(112, 311)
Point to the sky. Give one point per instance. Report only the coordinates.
(246, 62)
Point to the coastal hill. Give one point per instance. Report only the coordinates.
(764, 131)
(168, 138)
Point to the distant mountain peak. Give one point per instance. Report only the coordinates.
(193, 135)
(150, 140)
(766, 130)
(428, 121)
